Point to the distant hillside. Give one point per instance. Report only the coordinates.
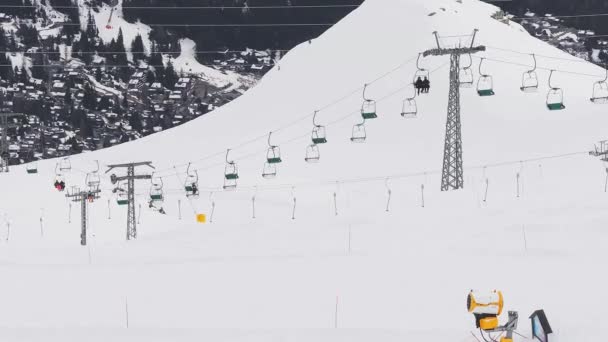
(233, 12)
(564, 7)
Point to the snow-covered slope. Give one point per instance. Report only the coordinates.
(186, 64)
(338, 258)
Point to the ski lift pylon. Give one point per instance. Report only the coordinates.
(466, 75)
(319, 135)
(485, 83)
(555, 96)
(368, 108)
(529, 79)
(600, 90)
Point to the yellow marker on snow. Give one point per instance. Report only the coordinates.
(201, 218)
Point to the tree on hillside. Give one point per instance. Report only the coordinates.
(170, 77)
(138, 49)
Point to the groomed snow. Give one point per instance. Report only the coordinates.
(401, 275)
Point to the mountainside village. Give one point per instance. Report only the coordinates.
(71, 93)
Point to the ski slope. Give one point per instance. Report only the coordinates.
(347, 264)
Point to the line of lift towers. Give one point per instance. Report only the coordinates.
(452, 174)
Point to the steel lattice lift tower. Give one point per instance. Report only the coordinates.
(452, 175)
(130, 178)
(83, 197)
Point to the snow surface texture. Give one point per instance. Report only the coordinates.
(344, 261)
(186, 64)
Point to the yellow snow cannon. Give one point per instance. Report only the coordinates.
(486, 307)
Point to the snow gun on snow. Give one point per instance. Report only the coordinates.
(486, 307)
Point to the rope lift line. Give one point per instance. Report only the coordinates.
(229, 25)
(307, 135)
(59, 66)
(202, 7)
(127, 52)
(540, 68)
(281, 187)
(539, 55)
(295, 122)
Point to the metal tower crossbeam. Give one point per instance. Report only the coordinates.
(130, 178)
(452, 175)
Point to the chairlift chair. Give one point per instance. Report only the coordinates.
(122, 197)
(600, 90)
(32, 168)
(409, 109)
(273, 155)
(529, 79)
(485, 83)
(156, 189)
(231, 174)
(555, 96)
(191, 185)
(65, 165)
(368, 108)
(319, 135)
(466, 75)
(92, 179)
(59, 182)
(312, 154)
(269, 171)
(421, 73)
(359, 133)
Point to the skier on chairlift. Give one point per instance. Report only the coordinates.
(419, 85)
(426, 85)
(59, 185)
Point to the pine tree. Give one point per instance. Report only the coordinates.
(170, 77)
(89, 100)
(5, 69)
(121, 56)
(138, 49)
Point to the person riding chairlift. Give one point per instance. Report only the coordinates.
(426, 85)
(419, 85)
(60, 186)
